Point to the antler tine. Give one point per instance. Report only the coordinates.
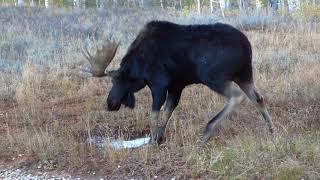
(87, 55)
(97, 48)
(109, 38)
(86, 49)
(110, 50)
(103, 57)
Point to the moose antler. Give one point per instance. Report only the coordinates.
(103, 57)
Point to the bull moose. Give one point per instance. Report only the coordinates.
(167, 57)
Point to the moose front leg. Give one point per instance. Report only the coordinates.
(158, 98)
(174, 94)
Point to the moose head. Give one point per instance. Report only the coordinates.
(123, 88)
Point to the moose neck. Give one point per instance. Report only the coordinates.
(131, 68)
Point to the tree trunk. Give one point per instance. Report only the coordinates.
(46, 3)
(175, 4)
(141, 3)
(75, 3)
(259, 5)
(199, 6)
(285, 6)
(228, 5)
(222, 4)
(240, 4)
(20, 3)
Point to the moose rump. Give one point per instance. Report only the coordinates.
(167, 57)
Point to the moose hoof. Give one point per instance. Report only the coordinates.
(157, 138)
(205, 139)
(207, 135)
(271, 131)
(156, 141)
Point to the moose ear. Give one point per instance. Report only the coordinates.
(113, 73)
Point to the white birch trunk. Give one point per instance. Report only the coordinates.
(211, 6)
(240, 4)
(32, 3)
(222, 4)
(46, 3)
(76, 3)
(259, 5)
(20, 3)
(228, 5)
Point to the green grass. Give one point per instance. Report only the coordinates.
(281, 157)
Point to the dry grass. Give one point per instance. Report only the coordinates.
(49, 107)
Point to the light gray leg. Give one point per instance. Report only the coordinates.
(171, 103)
(258, 101)
(234, 98)
(155, 125)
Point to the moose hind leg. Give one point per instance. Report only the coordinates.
(258, 101)
(235, 97)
